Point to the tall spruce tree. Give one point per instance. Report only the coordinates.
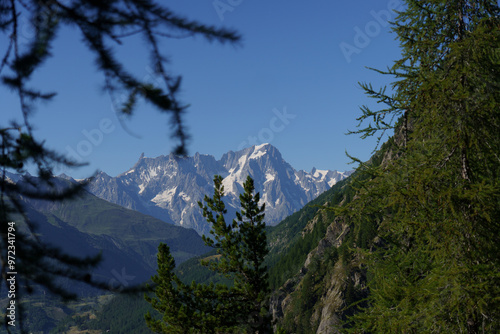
(241, 247)
(436, 197)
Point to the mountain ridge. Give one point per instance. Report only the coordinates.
(168, 187)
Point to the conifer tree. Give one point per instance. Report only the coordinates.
(241, 247)
(436, 197)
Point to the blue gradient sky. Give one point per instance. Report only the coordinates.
(290, 59)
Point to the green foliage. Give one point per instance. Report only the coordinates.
(291, 247)
(304, 300)
(123, 314)
(435, 200)
(293, 259)
(119, 313)
(194, 270)
(210, 308)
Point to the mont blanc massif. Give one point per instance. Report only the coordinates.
(169, 188)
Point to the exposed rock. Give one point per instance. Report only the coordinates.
(328, 310)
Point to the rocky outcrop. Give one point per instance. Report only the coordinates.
(328, 309)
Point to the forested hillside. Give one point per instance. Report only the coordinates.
(318, 278)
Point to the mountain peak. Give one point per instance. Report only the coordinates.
(265, 145)
(168, 188)
(136, 164)
(257, 151)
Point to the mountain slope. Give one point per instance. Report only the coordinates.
(169, 188)
(127, 239)
(317, 276)
(92, 215)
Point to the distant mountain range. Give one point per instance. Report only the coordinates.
(168, 187)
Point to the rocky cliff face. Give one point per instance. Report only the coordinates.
(169, 188)
(323, 281)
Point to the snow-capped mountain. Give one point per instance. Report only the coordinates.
(169, 188)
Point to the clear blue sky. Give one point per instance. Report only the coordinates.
(290, 62)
